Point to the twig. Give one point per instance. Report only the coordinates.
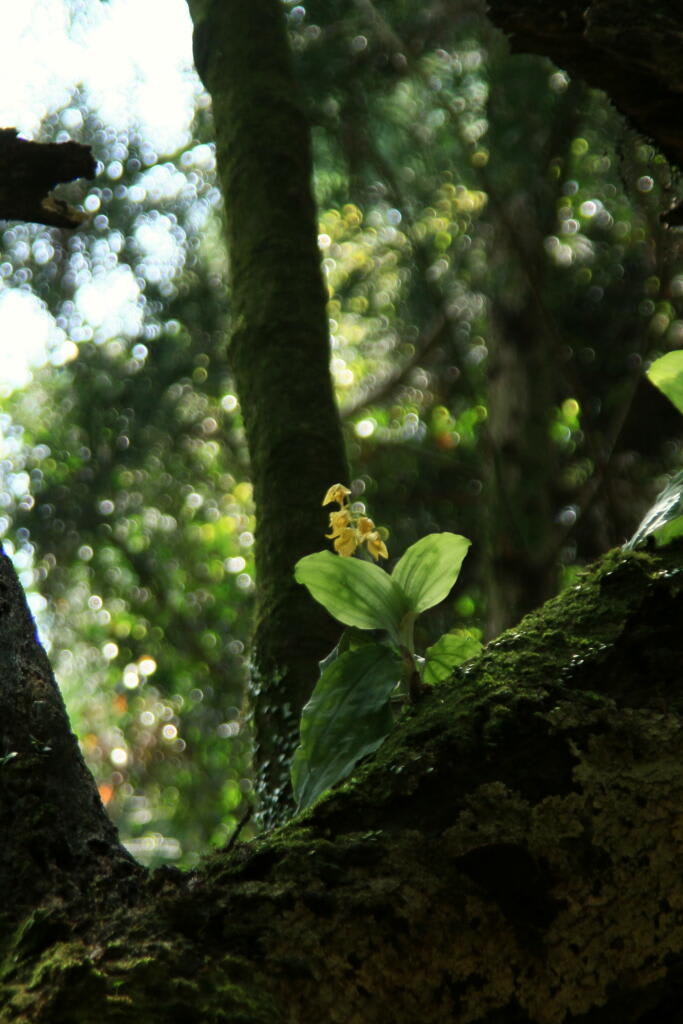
(238, 828)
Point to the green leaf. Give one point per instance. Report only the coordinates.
(667, 375)
(348, 641)
(662, 519)
(447, 653)
(346, 718)
(669, 532)
(355, 592)
(429, 568)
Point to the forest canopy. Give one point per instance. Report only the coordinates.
(498, 278)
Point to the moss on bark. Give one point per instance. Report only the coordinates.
(279, 352)
(510, 854)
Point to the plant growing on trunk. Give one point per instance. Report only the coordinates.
(351, 709)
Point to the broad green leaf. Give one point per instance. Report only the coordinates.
(662, 519)
(348, 641)
(346, 718)
(355, 592)
(667, 375)
(665, 534)
(429, 568)
(447, 653)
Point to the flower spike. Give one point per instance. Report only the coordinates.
(348, 532)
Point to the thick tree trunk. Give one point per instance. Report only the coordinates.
(279, 353)
(511, 854)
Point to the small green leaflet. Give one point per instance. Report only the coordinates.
(667, 375)
(347, 717)
(447, 653)
(429, 568)
(357, 593)
(665, 518)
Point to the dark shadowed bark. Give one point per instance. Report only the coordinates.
(57, 840)
(511, 854)
(30, 170)
(279, 353)
(522, 384)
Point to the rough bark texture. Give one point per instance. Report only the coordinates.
(279, 352)
(511, 854)
(629, 48)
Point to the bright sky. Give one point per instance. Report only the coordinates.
(133, 56)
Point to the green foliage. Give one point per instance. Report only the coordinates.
(449, 651)
(488, 229)
(356, 593)
(348, 717)
(349, 713)
(429, 568)
(664, 519)
(666, 374)
(128, 501)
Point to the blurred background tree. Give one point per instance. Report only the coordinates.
(498, 276)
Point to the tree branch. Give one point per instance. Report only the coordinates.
(30, 170)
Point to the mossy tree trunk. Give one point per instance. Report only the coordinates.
(279, 353)
(511, 854)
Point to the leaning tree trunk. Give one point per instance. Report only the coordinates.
(279, 353)
(56, 841)
(512, 853)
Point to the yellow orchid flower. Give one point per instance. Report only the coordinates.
(337, 492)
(348, 530)
(346, 542)
(376, 545)
(338, 520)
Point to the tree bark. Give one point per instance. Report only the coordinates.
(522, 470)
(56, 837)
(279, 353)
(511, 854)
(30, 170)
